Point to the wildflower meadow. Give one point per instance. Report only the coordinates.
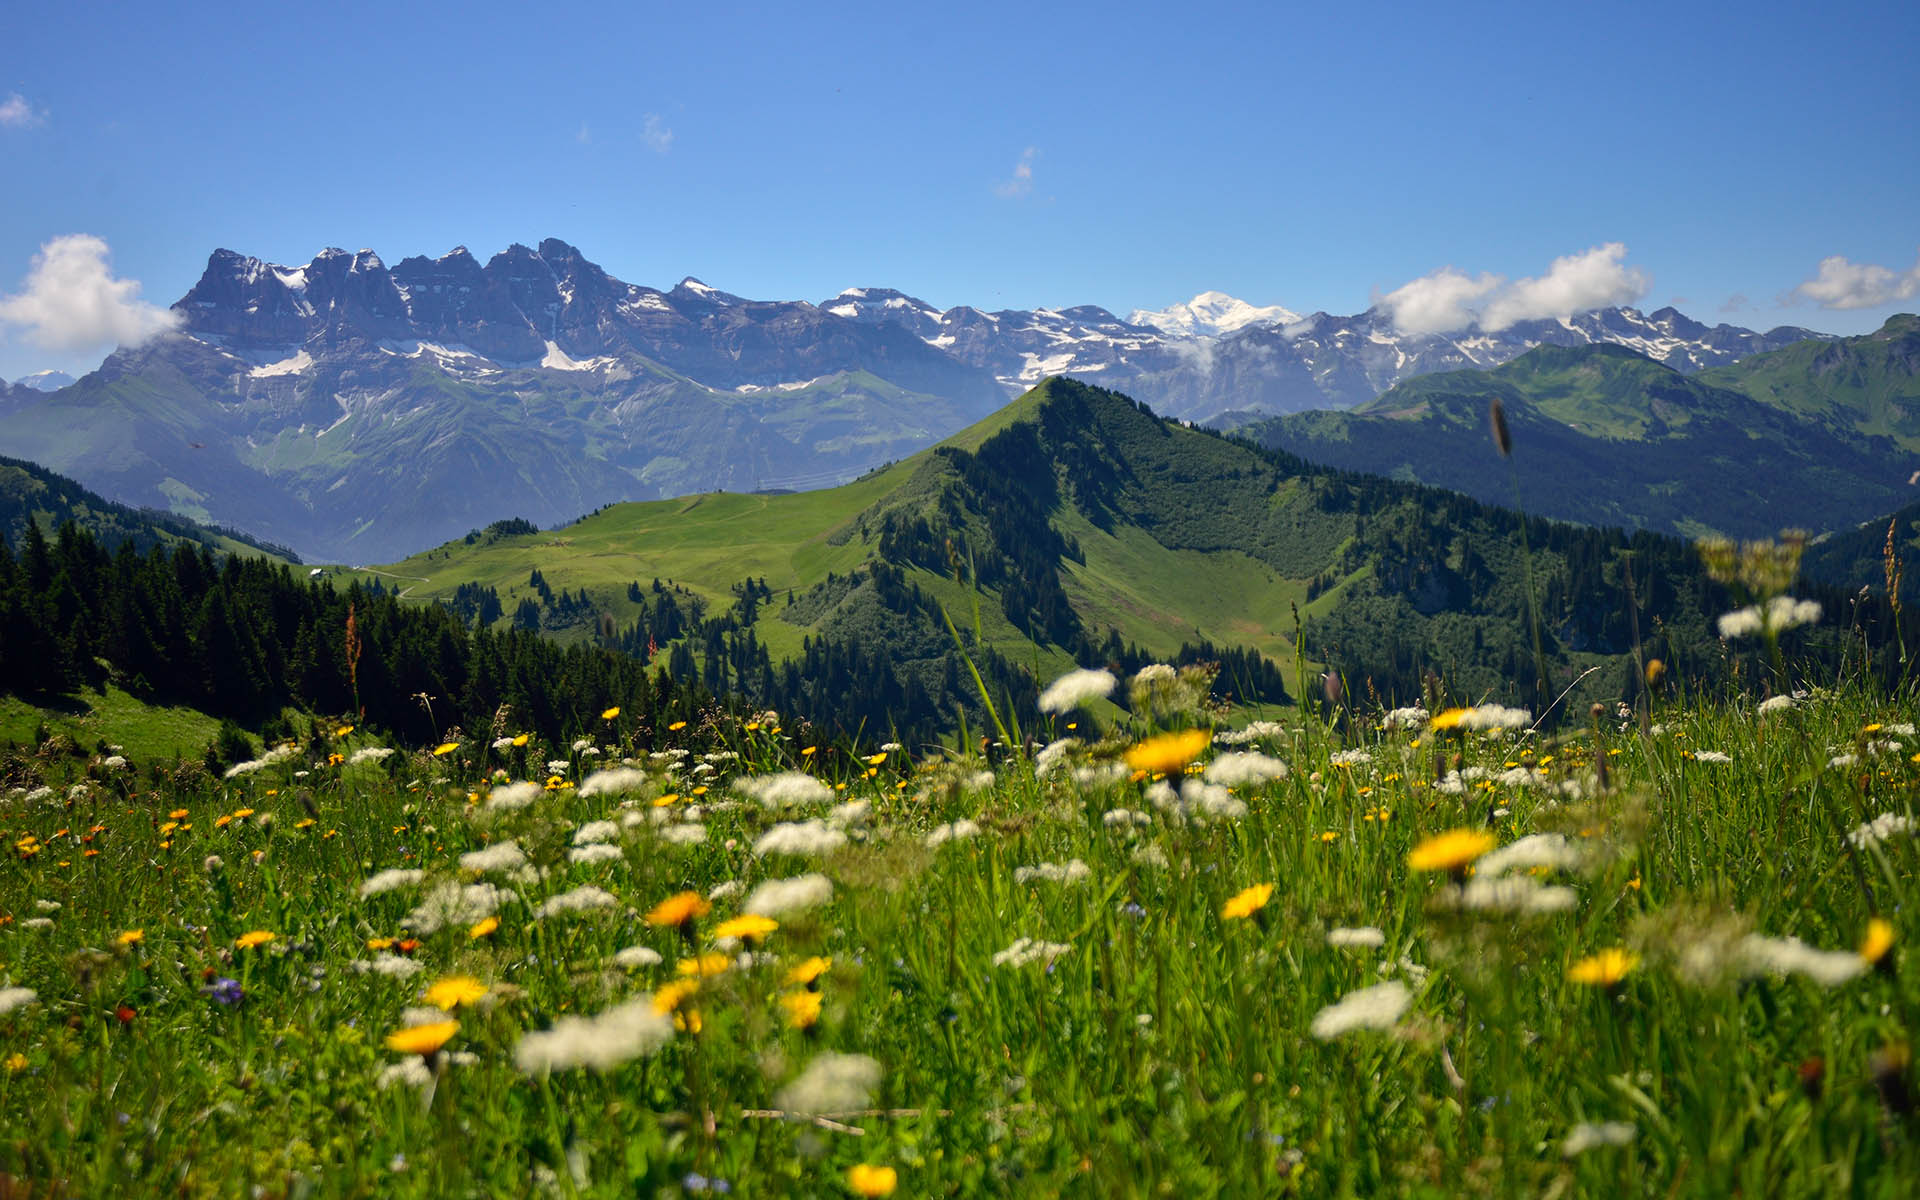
(1318, 951)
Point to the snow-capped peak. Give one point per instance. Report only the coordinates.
(1211, 314)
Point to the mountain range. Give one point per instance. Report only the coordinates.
(356, 411)
(1819, 435)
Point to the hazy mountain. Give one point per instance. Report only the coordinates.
(1604, 435)
(359, 411)
(356, 410)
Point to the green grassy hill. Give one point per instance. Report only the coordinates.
(1082, 530)
(1868, 384)
(1603, 435)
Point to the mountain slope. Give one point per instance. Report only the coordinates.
(1606, 436)
(1082, 529)
(30, 494)
(1868, 384)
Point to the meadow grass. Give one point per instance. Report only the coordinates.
(1034, 993)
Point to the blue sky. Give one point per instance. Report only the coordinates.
(1319, 157)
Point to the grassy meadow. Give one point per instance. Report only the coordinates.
(1327, 953)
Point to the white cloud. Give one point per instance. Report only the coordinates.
(1450, 299)
(656, 135)
(1020, 184)
(1574, 283)
(16, 113)
(71, 301)
(1845, 284)
(1438, 302)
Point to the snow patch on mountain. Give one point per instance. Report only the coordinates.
(1210, 314)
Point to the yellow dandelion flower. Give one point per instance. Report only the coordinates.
(679, 910)
(453, 991)
(1448, 718)
(254, 939)
(1879, 940)
(1604, 969)
(874, 760)
(178, 814)
(379, 943)
(808, 973)
(1169, 752)
(752, 926)
(676, 727)
(16, 1062)
(1248, 902)
(132, 937)
(343, 731)
(803, 1008)
(867, 1180)
(673, 995)
(663, 801)
(445, 748)
(521, 739)
(705, 965)
(1450, 851)
(423, 1039)
(610, 713)
(482, 928)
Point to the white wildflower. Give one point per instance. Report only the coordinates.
(1507, 894)
(1101, 774)
(952, 831)
(778, 897)
(596, 831)
(684, 833)
(1364, 935)
(1774, 704)
(367, 754)
(979, 781)
(499, 857)
(1149, 855)
(558, 766)
(634, 957)
(725, 888)
(1494, 716)
(513, 796)
(1052, 756)
(599, 1042)
(1124, 818)
(1027, 950)
(1841, 762)
(1586, 1136)
(1072, 871)
(851, 815)
(1154, 673)
(37, 923)
(1349, 758)
(1241, 768)
(585, 898)
(789, 789)
(831, 1083)
(1376, 1007)
(1411, 717)
(800, 838)
(1882, 828)
(1534, 850)
(595, 852)
(13, 999)
(1076, 688)
(453, 904)
(612, 782)
(390, 880)
(1256, 731)
(1711, 756)
(393, 966)
(1791, 956)
(1779, 614)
